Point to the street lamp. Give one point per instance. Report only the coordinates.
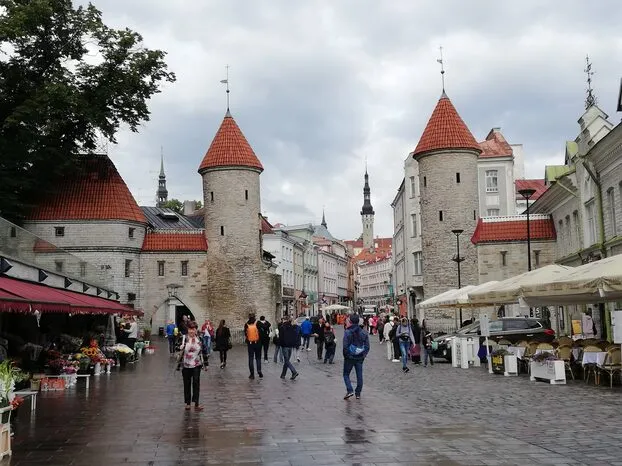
(527, 193)
(457, 259)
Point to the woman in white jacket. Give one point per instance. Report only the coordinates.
(387, 329)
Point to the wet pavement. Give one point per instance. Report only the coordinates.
(436, 416)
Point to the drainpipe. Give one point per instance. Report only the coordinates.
(601, 236)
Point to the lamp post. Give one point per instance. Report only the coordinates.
(457, 259)
(527, 193)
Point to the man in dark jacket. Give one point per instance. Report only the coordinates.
(355, 349)
(288, 340)
(264, 335)
(318, 330)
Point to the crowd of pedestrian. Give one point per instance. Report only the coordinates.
(405, 340)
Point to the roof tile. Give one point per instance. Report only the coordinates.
(445, 130)
(97, 192)
(514, 228)
(538, 185)
(230, 148)
(495, 145)
(174, 242)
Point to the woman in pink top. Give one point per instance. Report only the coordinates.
(193, 357)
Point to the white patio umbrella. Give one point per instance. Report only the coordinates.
(439, 298)
(509, 291)
(462, 299)
(597, 281)
(335, 307)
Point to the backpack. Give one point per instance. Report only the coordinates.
(252, 333)
(329, 338)
(357, 347)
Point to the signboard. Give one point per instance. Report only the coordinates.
(616, 324)
(484, 325)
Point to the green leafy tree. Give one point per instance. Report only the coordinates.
(175, 205)
(67, 82)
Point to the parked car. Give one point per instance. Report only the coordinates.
(513, 329)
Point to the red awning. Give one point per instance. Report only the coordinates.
(22, 296)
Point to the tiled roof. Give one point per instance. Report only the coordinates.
(538, 185)
(380, 243)
(96, 192)
(445, 130)
(375, 255)
(230, 148)
(266, 228)
(513, 228)
(495, 145)
(173, 242)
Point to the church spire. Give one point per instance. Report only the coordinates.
(590, 99)
(367, 207)
(161, 193)
(324, 219)
(367, 214)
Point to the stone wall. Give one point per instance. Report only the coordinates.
(459, 204)
(490, 258)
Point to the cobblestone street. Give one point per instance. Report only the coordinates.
(438, 415)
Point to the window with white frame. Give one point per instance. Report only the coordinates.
(413, 225)
(417, 263)
(492, 185)
(413, 186)
(611, 200)
(492, 212)
(591, 223)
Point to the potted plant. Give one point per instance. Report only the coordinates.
(9, 376)
(547, 366)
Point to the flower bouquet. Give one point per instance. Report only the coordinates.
(9, 376)
(543, 357)
(71, 369)
(57, 365)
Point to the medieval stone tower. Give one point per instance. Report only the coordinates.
(237, 278)
(367, 215)
(447, 156)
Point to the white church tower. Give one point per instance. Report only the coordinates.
(367, 215)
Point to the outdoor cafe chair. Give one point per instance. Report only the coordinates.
(590, 368)
(612, 365)
(564, 352)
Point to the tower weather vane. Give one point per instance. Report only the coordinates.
(226, 81)
(590, 100)
(440, 60)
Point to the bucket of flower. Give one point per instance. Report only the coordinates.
(546, 366)
(150, 349)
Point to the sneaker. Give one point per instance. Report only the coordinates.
(199, 408)
(348, 396)
(331, 362)
(405, 370)
(283, 377)
(252, 376)
(222, 366)
(187, 408)
(265, 360)
(325, 361)
(395, 360)
(298, 359)
(425, 365)
(308, 349)
(261, 375)
(358, 397)
(293, 377)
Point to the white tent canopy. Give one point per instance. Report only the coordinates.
(335, 307)
(436, 301)
(590, 283)
(509, 291)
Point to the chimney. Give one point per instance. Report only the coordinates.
(190, 207)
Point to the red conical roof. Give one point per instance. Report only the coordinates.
(230, 148)
(95, 192)
(445, 130)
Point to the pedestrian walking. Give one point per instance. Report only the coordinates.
(170, 336)
(380, 328)
(264, 335)
(355, 349)
(330, 343)
(427, 346)
(288, 340)
(406, 338)
(207, 334)
(306, 330)
(388, 331)
(251, 333)
(318, 332)
(418, 333)
(276, 340)
(193, 357)
(223, 342)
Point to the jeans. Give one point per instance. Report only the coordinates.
(265, 344)
(404, 347)
(207, 341)
(305, 341)
(254, 352)
(278, 350)
(320, 348)
(171, 343)
(348, 364)
(427, 353)
(329, 355)
(287, 354)
(223, 356)
(192, 384)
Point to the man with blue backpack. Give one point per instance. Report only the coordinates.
(355, 349)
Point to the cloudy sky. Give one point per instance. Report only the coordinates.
(319, 86)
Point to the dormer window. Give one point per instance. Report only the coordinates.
(59, 231)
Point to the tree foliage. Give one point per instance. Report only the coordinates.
(67, 83)
(175, 205)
